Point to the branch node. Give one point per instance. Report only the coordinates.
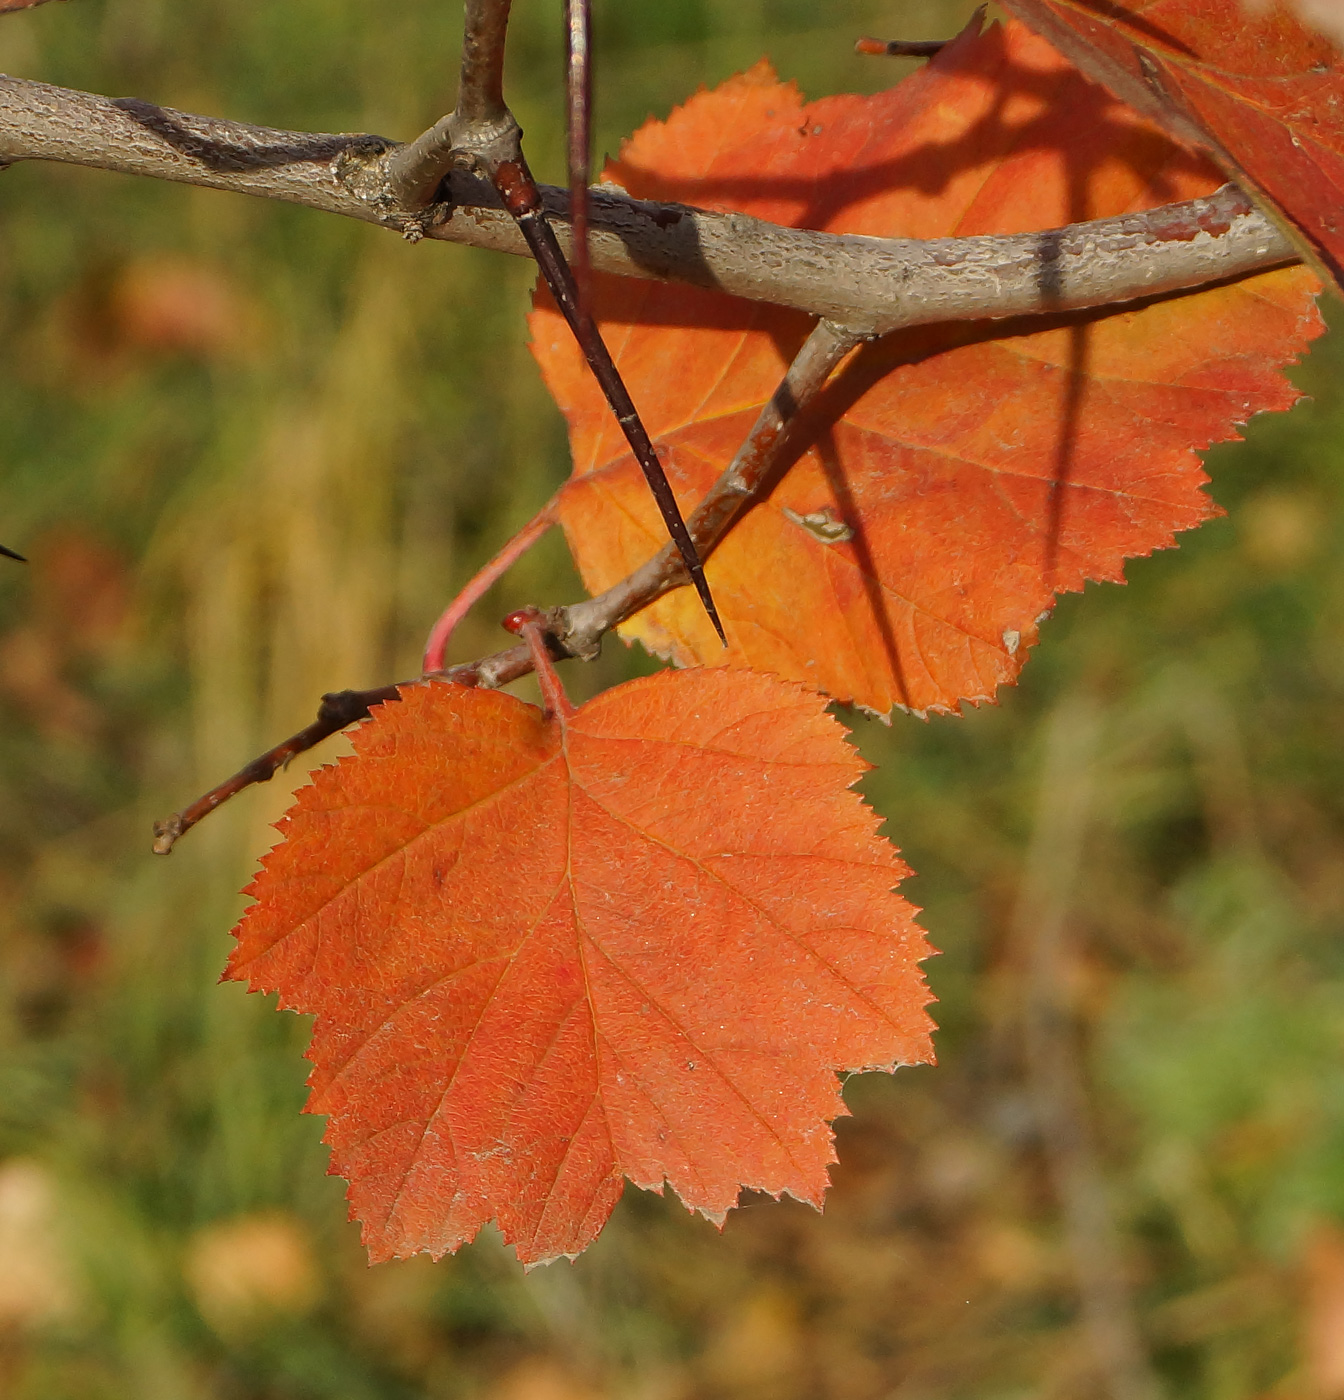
(361, 168)
(411, 176)
(579, 643)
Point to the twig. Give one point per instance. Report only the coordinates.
(871, 285)
(577, 630)
(480, 584)
(413, 174)
(1057, 1085)
(480, 98)
(337, 710)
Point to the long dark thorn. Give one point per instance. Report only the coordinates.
(12, 554)
(579, 97)
(521, 198)
(901, 48)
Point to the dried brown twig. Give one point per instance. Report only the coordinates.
(337, 710)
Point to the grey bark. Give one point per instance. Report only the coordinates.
(870, 286)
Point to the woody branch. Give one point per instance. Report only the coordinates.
(869, 285)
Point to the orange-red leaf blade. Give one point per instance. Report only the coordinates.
(541, 961)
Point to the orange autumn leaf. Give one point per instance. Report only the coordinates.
(548, 953)
(962, 475)
(1252, 84)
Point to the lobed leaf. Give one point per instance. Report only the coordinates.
(547, 953)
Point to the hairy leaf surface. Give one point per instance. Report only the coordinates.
(545, 954)
(961, 476)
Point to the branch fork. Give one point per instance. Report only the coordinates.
(413, 174)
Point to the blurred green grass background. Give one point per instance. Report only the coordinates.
(251, 451)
